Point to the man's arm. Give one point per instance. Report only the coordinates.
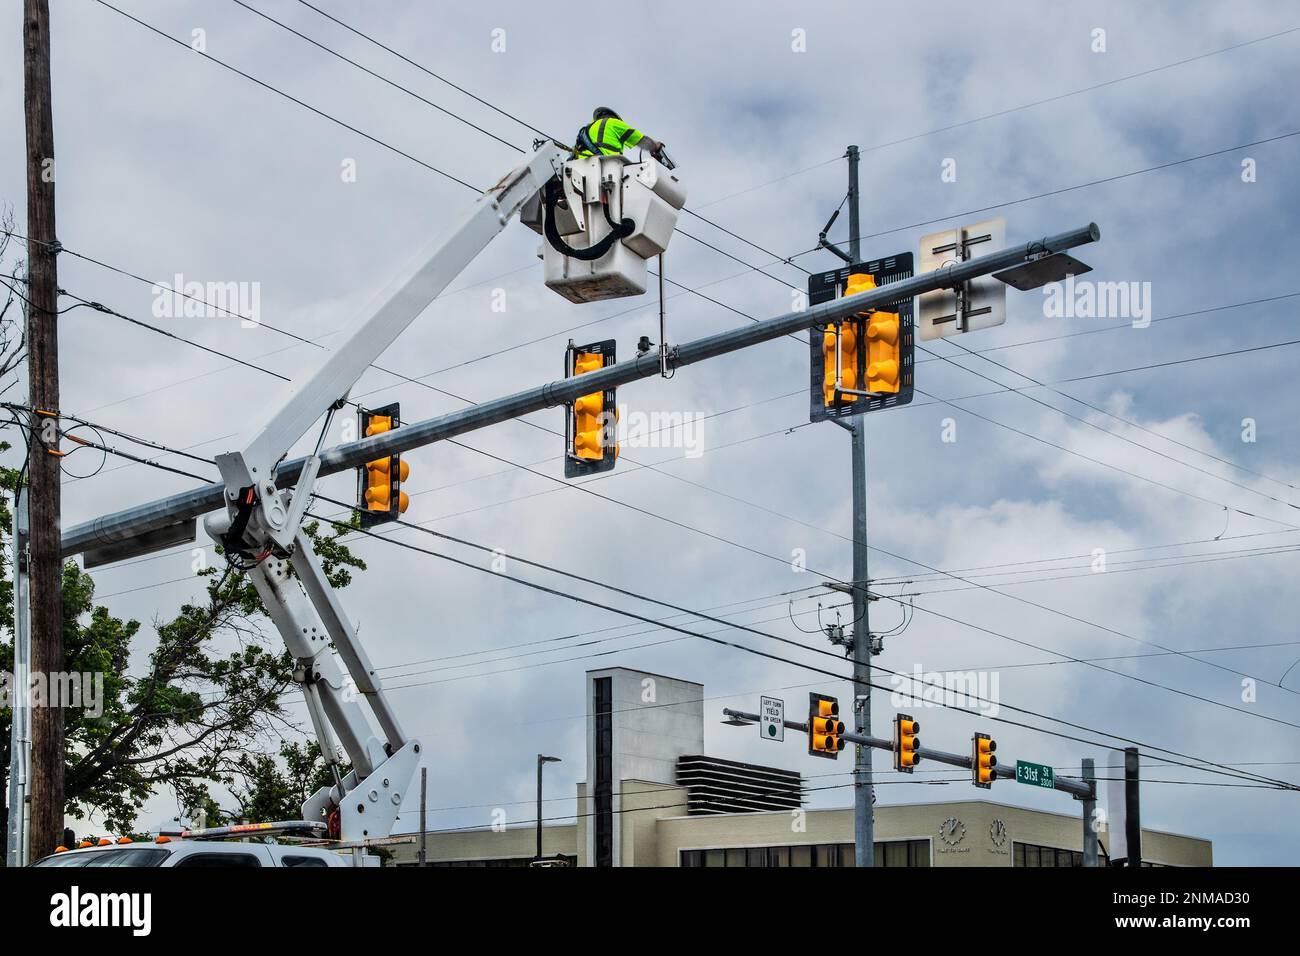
(634, 138)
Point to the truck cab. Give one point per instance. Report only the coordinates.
(181, 852)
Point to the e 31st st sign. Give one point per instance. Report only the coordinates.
(1035, 774)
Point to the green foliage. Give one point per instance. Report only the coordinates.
(265, 792)
(210, 694)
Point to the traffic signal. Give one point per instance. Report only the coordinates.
(380, 481)
(982, 760)
(591, 423)
(906, 743)
(870, 352)
(824, 727)
(884, 358)
(841, 351)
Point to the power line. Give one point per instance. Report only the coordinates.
(755, 551)
(818, 650)
(951, 403)
(512, 116)
(423, 69)
(305, 105)
(300, 101)
(1014, 109)
(1085, 89)
(913, 578)
(1093, 425)
(752, 650)
(1067, 189)
(407, 90)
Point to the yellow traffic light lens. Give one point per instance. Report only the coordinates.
(883, 328)
(848, 336)
(883, 354)
(859, 282)
(882, 376)
(589, 438)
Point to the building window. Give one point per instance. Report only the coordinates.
(510, 861)
(891, 853)
(602, 707)
(903, 853)
(1030, 854)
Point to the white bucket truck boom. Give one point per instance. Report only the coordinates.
(623, 210)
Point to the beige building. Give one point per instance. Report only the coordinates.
(652, 798)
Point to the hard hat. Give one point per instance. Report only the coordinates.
(601, 112)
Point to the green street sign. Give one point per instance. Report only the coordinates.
(1035, 774)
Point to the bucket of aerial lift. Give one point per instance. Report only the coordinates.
(595, 196)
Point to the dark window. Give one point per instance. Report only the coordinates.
(220, 859)
(509, 861)
(826, 855)
(602, 706)
(1030, 854)
(144, 856)
(892, 853)
(303, 861)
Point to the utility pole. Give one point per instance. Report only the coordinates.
(20, 730)
(424, 830)
(1090, 814)
(541, 762)
(46, 562)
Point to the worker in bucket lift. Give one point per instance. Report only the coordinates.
(608, 135)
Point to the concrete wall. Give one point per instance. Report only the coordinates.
(487, 844)
(653, 829)
(655, 720)
(962, 833)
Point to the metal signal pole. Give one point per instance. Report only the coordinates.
(863, 810)
(864, 852)
(46, 562)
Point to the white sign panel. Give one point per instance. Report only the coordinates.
(771, 723)
(983, 300)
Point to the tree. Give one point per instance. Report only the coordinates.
(264, 792)
(13, 329)
(211, 693)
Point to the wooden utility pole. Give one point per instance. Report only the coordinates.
(46, 564)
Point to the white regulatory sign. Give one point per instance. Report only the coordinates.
(771, 718)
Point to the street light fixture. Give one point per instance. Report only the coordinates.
(541, 761)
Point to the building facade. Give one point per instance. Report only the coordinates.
(652, 798)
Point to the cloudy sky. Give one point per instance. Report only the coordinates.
(169, 164)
